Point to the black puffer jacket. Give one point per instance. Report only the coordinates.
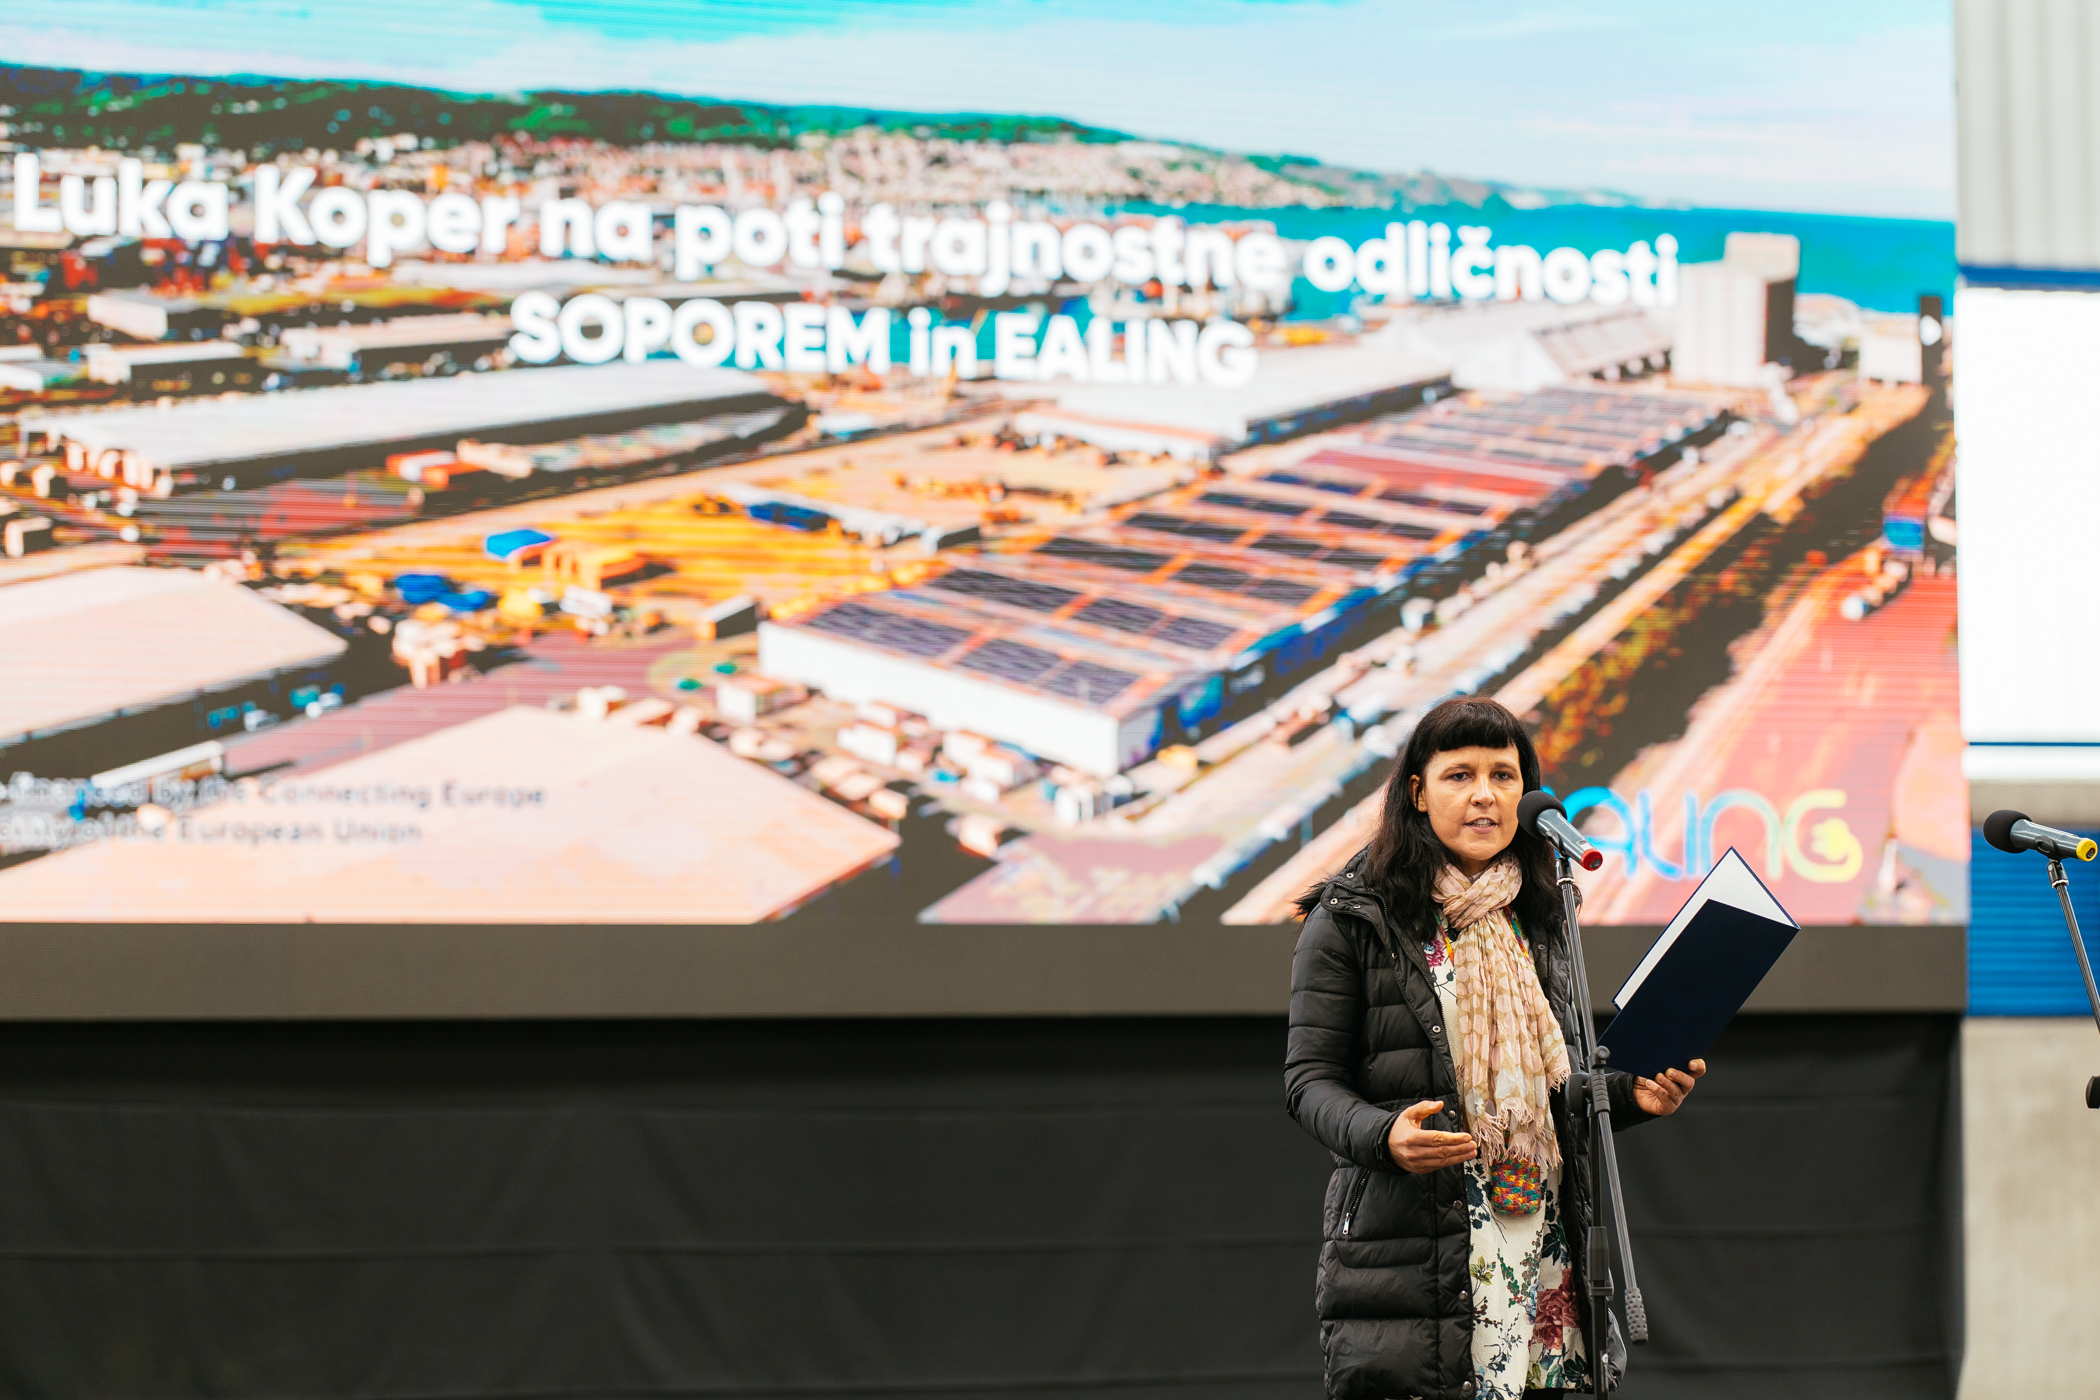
(1367, 1039)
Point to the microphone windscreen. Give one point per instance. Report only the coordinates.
(1997, 828)
(1534, 802)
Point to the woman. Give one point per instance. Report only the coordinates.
(1430, 1017)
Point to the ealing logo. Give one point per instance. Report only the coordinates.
(1833, 855)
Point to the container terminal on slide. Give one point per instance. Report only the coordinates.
(388, 628)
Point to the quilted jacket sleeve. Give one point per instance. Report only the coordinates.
(1321, 1055)
(1626, 1112)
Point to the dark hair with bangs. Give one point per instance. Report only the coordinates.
(1405, 856)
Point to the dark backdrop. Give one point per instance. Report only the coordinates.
(854, 1208)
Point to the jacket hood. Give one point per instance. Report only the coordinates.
(1350, 878)
(1345, 891)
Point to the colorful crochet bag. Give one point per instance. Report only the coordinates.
(1516, 1186)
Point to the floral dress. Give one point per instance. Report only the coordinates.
(1526, 1334)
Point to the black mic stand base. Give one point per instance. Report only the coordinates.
(2062, 883)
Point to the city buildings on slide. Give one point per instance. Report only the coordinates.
(1121, 644)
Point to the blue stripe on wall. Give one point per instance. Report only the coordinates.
(2020, 958)
(2032, 279)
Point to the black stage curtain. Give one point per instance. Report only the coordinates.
(1797, 1225)
(849, 1209)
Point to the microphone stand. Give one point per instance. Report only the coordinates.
(2085, 966)
(1588, 1084)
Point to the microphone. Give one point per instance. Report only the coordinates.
(2011, 831)
(1543, 813)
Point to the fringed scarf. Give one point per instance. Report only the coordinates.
(1510, 1050)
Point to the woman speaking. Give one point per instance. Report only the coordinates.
(1430, 1016)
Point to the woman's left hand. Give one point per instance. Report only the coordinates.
(1661, 1097)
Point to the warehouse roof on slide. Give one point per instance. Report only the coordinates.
(521, 816)
(1288, 385)
(211, 433)
(88, 646)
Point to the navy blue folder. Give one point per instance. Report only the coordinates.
(1690, 984)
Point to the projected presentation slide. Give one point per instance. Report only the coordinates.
(719, 464)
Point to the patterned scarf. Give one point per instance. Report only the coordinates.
(1510, 1050)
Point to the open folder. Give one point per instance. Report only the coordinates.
(1700, 972)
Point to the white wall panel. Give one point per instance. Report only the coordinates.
(2027, 382)
(2028, 132)
(2029, 1243)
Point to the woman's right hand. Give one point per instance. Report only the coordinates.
(1419, 1149)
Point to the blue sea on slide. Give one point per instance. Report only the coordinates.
(1882, 264)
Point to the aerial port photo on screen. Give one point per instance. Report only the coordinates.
(614, 509)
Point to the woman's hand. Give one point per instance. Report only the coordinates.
(1419, 1149)
(1661, 1097)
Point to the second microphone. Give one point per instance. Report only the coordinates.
(1542, 812)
